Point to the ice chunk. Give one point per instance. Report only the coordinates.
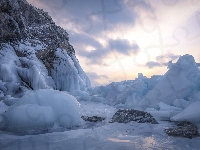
(81, 95)
(161, 114)
(195, 96)
(10, 101)
(121, 87)
(132, 101)
(1, 118)
(165, 112)
(29, 117)
(181, 103)
(178, 82)
(65, 107)
(1, 94)
(3, 107)
(190, 114)
(165, 107)
(97, 98)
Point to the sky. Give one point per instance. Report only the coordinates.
(114, 40)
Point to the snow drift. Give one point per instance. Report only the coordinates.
(39, 110)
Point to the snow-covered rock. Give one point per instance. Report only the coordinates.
(38, 110)
(35, 53)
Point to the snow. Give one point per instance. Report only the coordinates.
(25, 118)
(190, 114)
(63, 106)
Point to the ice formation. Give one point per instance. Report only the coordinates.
(190, 114)
(165, 111)
(178, 82)
(163, 96)
(39, 110)
(29, 117)
(35, 53)
(81, 95)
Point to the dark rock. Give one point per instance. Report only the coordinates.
(184, 129)
(127, 115)
(93, 118)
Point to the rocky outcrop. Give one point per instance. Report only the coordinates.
(128, 115)
(184, 129)
(35, 53)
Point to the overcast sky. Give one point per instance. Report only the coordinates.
(115, 40)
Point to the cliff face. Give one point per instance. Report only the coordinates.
(34, 52)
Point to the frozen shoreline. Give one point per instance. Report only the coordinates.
(102, 136)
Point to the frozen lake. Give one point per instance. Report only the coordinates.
(101, 136)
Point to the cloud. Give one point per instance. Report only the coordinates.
(152, 64)
(166, 58)
(162, 60)
(123, 46)
(93, 17)
(99, 54)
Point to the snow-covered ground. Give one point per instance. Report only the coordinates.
(101, 136)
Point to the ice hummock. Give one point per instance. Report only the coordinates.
(179, 81)
(39, 110)
(165, 111)
(190, 114)
(81, 95)
(27, 118)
